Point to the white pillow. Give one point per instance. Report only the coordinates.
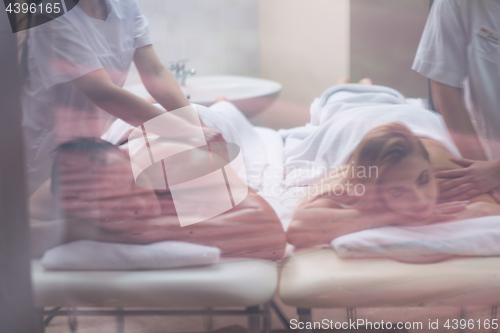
(473, 237)
(91, 255)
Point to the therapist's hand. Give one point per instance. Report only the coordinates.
(212, 135)
(477, 177)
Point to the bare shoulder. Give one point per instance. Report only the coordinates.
(439, 155)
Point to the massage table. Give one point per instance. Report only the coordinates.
(231, 283)
(318, 278)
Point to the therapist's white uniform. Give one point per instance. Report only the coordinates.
(55, 110)
(454, 51)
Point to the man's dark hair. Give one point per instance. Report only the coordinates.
(83, 145)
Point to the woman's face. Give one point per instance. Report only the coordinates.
(409, 188)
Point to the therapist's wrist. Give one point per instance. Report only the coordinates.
(496, 168)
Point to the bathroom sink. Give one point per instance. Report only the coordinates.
(250, 95)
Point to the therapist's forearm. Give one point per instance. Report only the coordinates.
(164, 88)
(135, 111)
(449, 103)
(159, 82)
(99, 88)
(127, 106)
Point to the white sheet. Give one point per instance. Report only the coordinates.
(91, 255)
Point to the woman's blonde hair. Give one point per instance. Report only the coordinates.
(380, 148)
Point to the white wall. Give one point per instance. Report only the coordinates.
(304, 45)
(218, 36)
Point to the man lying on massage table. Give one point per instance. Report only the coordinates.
(402, 191)
(93, 187)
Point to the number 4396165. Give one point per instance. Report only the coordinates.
(32, 8)
(471, 323)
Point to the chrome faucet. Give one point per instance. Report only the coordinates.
(178, 69)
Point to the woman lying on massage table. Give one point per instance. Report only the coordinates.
(93, 187)
(401, 189)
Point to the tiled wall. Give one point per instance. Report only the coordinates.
(218, 36)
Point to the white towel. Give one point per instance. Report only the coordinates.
(91, 255)
(346, 96)
(473, 237)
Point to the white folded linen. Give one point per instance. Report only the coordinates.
(472, 237)
(91, 255)
(272, 175)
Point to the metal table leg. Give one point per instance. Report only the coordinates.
(305, 316)
(253, 319)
